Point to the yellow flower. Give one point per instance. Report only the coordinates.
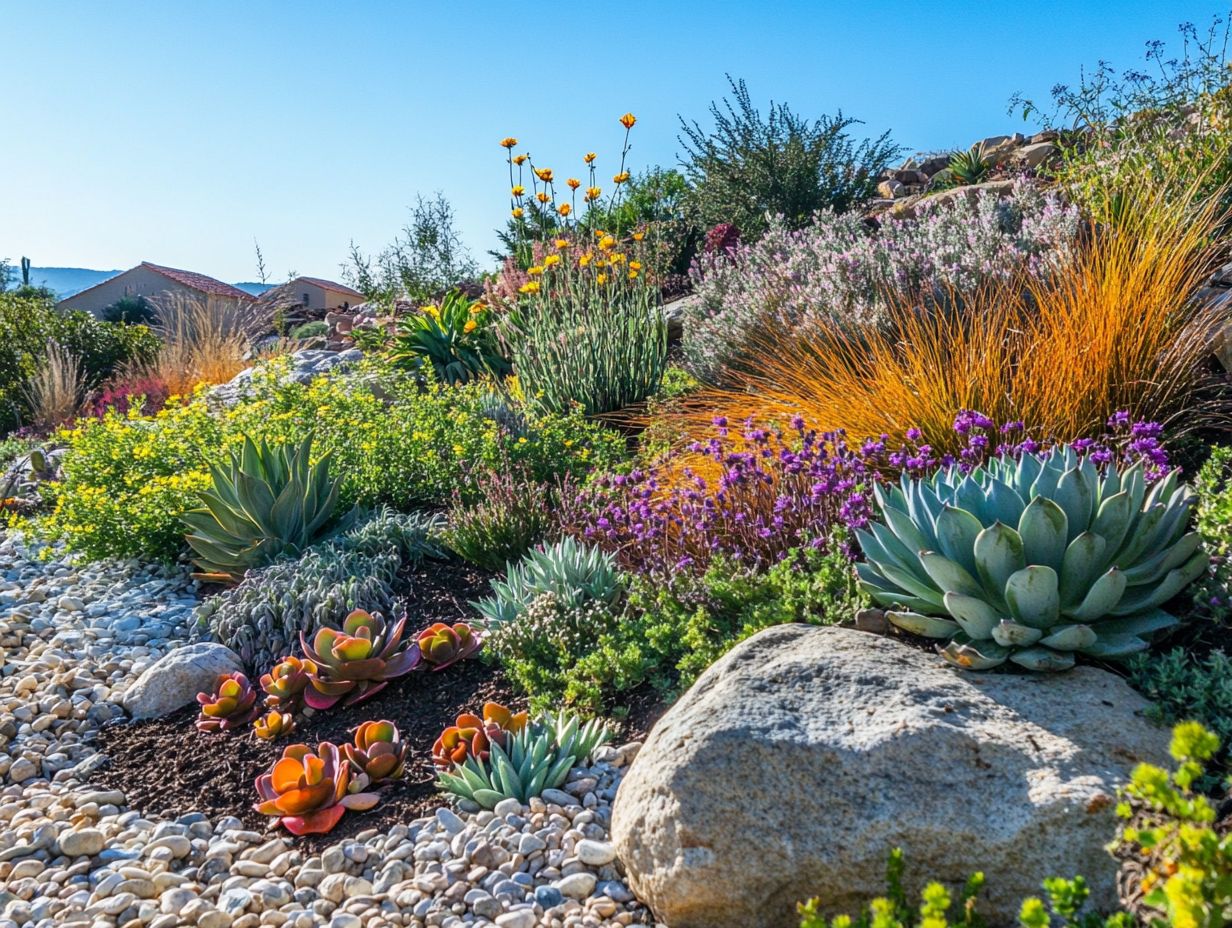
(617, 258)
(573, 183)
(589, 158)
(477, 307)
(627, 120)
(549, 260)
(522, 440)
(564, 209)
(562, 243)
(633, 275)
(635, 265)
(518, 190)
(458, 449)
(607, 242)
(531, 286)
(592, 193)
(534, 271)
(541, 197)
(544, 174)
(517, 213)
(638, 236)
(621, 177)
(585, 259)
(508, 142)
(601, 279)
(470, 326)
(520, 160)
(430, 311)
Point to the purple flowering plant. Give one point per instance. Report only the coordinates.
(754, 494)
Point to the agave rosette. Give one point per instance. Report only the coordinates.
(232, 704)
(443, 645)
(378, 752)
(307, 791)
(473, 736)
(1032, 559)
(356, 661)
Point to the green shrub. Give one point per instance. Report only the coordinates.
(271, 501)
(262, 617)
(456, 338)
(128, 479)
(669, 634)
(1213, 484)
(130, 310)
(749, 167)
(540, 647)
(316, 329)
(575, 572)
(1187, 686)
(512, 514)
(29, 319)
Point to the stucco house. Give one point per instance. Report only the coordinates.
(312, 297)
(159, 285)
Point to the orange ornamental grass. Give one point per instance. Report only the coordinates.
(1118, 328)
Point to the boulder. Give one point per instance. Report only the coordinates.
(175, 679)
(1032, 156)
(911, 206)
(800, 759)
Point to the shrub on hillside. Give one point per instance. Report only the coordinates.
(29, 320)
(839, 270)
(129, 478)
(512, 514)
(1114, 328)
(748, 168)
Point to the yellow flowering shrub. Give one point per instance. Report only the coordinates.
(128, 478)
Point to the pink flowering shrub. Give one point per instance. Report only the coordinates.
(841, 268)
(152, 391)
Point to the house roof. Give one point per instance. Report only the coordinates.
(331, 285)
(200, 282)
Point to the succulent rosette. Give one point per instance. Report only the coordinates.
(308, 791)
(472, 736)
(357, 661)
(284, 685)
(442, 645)
(232, 704)
(274, 725)
(379, 753)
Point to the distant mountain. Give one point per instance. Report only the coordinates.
(66, 281)
(63, 281)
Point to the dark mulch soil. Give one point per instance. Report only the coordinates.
(167, 767)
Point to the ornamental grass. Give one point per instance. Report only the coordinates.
(1116, 328)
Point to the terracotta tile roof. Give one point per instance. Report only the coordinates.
(199, 282)
(331, 285)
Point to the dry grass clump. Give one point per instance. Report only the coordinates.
(56, 392)
(1116, 328)
(203, 343)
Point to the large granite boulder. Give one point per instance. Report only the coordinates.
(175, 679)
(795, 764)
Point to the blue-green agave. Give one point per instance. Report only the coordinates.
(1032, 560)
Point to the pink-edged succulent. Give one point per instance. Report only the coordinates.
(307, 791)
(232, 704)
(356, 661)
(472, 736)
(378, 754)
(442, 645)
(273, 725)
(285, 683)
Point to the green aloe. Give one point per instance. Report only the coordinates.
(1032, 559)
(269, 501)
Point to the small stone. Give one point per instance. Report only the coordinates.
(517, 918)
(507, 807)
(595, 853)
(84, 843)
(449, 820)
(549, 896)
(23, 769)
(577, 885)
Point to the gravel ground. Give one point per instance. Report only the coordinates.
(73, 638)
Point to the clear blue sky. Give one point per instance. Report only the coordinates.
(176, 132)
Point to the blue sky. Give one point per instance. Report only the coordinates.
(177, 132)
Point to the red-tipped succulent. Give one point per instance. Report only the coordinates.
(357, 661)
(284, 685)
(442, 645)
(232, 704)
(472, 736)
(308, 792)
(378, 754)
(273, 725)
